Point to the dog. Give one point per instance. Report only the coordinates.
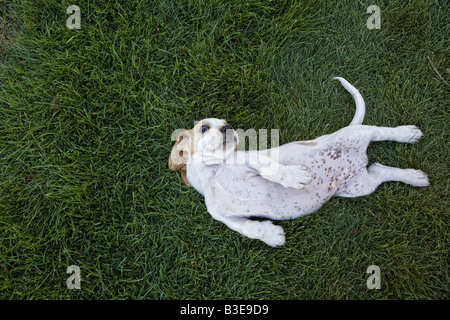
(288, 181)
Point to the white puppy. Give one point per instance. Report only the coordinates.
(286, 182)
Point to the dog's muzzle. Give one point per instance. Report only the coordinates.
(228, 134)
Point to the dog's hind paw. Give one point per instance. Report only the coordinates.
(417, 178)
(409, 134)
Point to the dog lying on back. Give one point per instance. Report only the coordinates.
(289, 181)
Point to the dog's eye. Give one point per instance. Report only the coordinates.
(204, 129)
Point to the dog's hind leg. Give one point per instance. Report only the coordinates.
(405, 134)
(366, 181)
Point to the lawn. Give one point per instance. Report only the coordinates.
(86, 118)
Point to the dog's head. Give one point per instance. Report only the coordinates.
(211, 141)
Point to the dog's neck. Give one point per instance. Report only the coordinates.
(199, 174)
(207, 159)
(200, 168)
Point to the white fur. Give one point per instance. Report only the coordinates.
(292, 180)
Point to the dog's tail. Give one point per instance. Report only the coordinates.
(360, 105)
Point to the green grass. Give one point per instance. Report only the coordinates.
(86, 118)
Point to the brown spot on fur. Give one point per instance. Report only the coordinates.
(307, 143)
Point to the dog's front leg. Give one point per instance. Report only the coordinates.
(265, 231)
(289, 176)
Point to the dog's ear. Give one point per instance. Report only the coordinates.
(178, 156)
(184, 177)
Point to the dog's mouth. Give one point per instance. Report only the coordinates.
(230, 138)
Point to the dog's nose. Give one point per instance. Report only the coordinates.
(225, 128)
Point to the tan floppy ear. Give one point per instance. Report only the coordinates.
(184, 177)
(178, 155)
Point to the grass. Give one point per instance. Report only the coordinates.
(87, 115)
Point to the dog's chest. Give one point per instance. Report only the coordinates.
(240, 189)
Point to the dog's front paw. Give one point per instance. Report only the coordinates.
(275, 237)
(265, 231)
(295, 176)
